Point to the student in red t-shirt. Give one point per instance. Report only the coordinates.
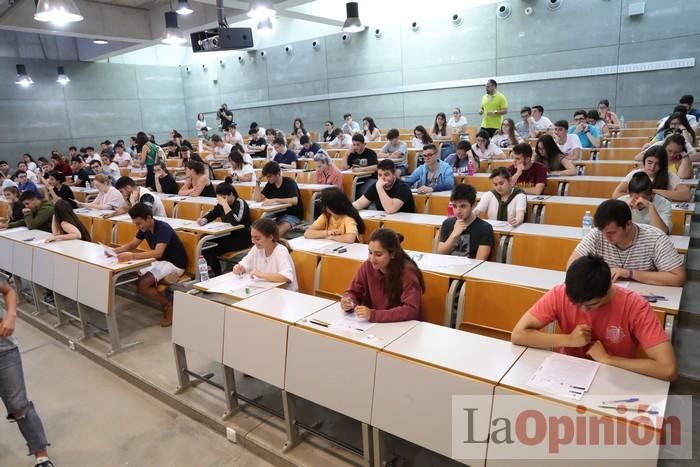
(599, 321)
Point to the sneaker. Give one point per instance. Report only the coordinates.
(45, 464)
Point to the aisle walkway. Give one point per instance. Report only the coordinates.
(92, 417)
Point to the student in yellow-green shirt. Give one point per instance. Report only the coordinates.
(494, 106)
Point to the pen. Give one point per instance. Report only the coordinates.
(319, 322)
(631, 399)
(631, 409)
(342, 250)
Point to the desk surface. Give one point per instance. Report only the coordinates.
(543, 279)
(671, 294)
(212, 228)
(218, 285)
(378, 336)
(609, 381)
(545, 230)
(594, 202)
(284, 305)
(457, 351)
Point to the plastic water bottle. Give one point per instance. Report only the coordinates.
(470, 168)
(622, 121)
(203, 269)
(87, 185)
(587, 223)
(450, 209)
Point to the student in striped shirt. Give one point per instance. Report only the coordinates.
(633, 251)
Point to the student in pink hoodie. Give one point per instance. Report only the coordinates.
(388, 286)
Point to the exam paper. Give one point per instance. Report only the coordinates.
(350, 322)
(564, 376)
(234, 284)
(441, 261)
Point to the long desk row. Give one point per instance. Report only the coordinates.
(397, 378)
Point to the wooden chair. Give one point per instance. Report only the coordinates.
(607, 170)
(437, 205)
(638, 132)
(169, 206)
(641, 124)
(479, 183)
(306, 177)
(305, 264)
(190, 211)
(540, 252)
(173, 162)
(565, 214)
(102, 231)
(494, 308)
(412, 159)
(588, 189)
(434, 298)
(370, 226)
(552, 187)
(244, 191)
(221, 174)
(307, 202)
(420, 202)
(634, 142)
(416, 236)
(189, 242)
(618, 154)
(374, 145)
(124, 232)
(335, 274)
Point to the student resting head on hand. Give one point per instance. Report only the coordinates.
(339, 220)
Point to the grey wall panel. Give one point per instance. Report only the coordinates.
(663, 49)
(42, 72)
(309, 88)
(159, 82)
(642, 89)
(88, 118)
(195, 105)
(449, 72)
(99, 81)
(364, 53)
(11, 152)
(432, 102)
(377, 107)
(662, 19)
(162, 115)
(643, 112)
(30, 122)
(236, 76)
(561, 93)
(8, 44)
(242, 97)
(598, 56)
(568, 28)
(304, 63)
(199, 82)
(366, 81)
(282, 116)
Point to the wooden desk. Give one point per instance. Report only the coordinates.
(428, 366)
(666, 309)
(336, 368)
(610, 383)
(542, 246)
(217, 285)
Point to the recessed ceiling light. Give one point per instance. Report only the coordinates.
(100, 42)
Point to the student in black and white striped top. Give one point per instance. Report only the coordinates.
(633, 251)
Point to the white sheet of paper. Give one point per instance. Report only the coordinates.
(441, 261)
(564, 376)
(350, 322)
(233, 284)
(108, 249)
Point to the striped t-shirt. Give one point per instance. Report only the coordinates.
(652, 250)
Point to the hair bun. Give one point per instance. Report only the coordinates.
(228, 180)
(399, 236)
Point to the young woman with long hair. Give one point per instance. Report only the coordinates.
(65, 224)
(339, 220)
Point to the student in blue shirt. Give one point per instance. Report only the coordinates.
(588, 134)
(434, 175)
(286, 158)
(308, 149)
(24, 184)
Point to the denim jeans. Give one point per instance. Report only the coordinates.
(14, 395)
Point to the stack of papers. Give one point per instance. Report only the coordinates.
(564, 376)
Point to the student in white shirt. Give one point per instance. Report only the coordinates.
(121, 157)
(538, 122)
(664, 183)
(569, 144)
(505, 202)
(457, 122)
(370, 130)
(110, 168)
(340, 140)
(201, 123)
(219, 148)
(506, 137)
(242, 170)
(485, 149)
(269, 259)
(108, 197)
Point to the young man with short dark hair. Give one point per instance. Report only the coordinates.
(283, 190)
(396, 150)
(465, 234)
(361, 157)
(687, 102)
(539, 124)
(285, 157)
(328, 132)
(23, 182)
(350, 127)
(524, 127)
(647, 207)
(165, 248)
(529, 175)
(434, 174)
(568, 144)
(81, 176)
(308, 149)
(38, 213)
(134, 194)
(599, 320)
(389, 193)
(588, 134)
(637, 252)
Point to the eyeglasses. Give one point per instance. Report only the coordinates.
(429, 154)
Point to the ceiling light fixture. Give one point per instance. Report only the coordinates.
(352, 21)
(23, 78)
(59, 12)
(264, 25)
(173, 33)
(183, 8)
(62, 76)
(260, 10)
(100, 42)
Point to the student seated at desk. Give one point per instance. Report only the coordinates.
(361, 157)
(269, 259)
(681, 155)
(279, 189)
(505, 202)
(459, 160)
(66, 225)
(108, 197)
(197, 181)
(340, 140)
(529, 175)
(23, 182)
(633, 251)
(396, 150)
(36, 213)
(339, 220)
(234, 210)
(388, 286)
(647, 208)
(465, 234)
(285, 157)
(599, 320)
(81, 175)
(55, 189)
(434, 175)
(485, 149)
(165, 183)
(655, 165)
(11, 195)
(133, 194)
(389, 193)
(568, 144)
(167, 250)
(326, 171)
(242, 171)
(308, 149)
(548, 154)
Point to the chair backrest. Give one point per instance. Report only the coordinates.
(335, 274)
(618, 154)
(221, 174)
(588, 189)
(85, 220)
(189, 242)
(420, 201)
(434, 299)
(124, 232)
(169, 206)
(565, 214)
(541, 251)
(479, 183)
(305, 264)
(376, 144)
(494, 308)
(607, 170)
(630, 142)
(437, 205)
(102, 231)
(306, 177)
(190, 211)
(417, 237)
(641, 124)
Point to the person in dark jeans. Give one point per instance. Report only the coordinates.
(234, 210)
(13, 391)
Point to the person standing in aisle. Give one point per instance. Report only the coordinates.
(494, 106)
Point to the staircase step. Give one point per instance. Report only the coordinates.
(686, 340)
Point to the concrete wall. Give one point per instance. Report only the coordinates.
(581, 34)
(102, 101)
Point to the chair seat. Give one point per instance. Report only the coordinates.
(230, 255)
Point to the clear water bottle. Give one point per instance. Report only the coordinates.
(450, 209)
(87, 185)
(587, 223)
(622, 121)
(470, 168)
(203, 269)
